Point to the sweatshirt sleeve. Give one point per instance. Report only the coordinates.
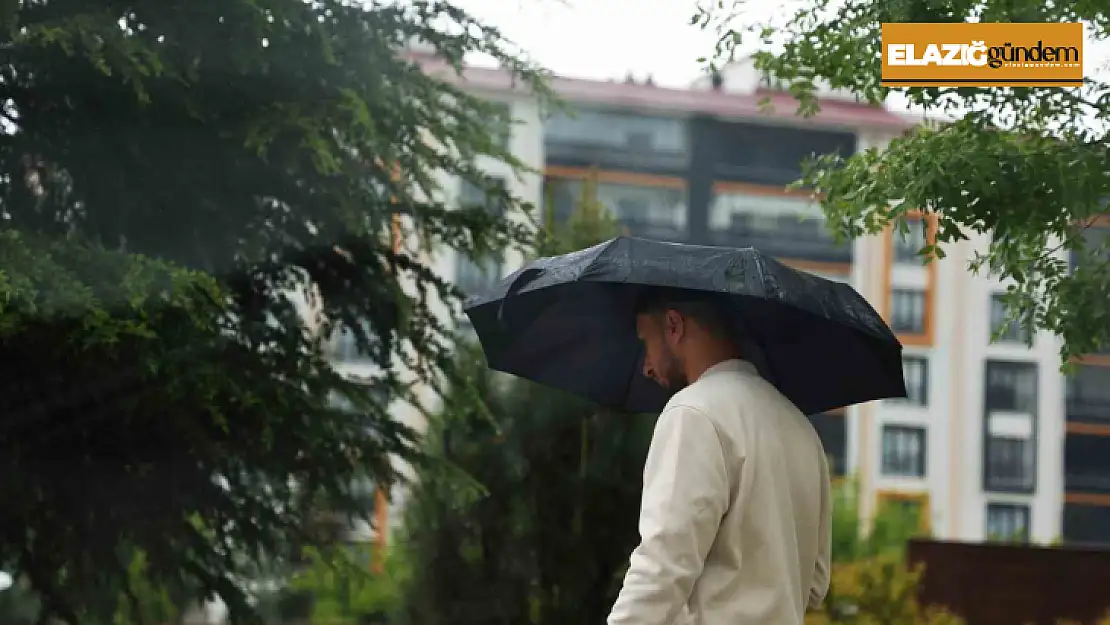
(686, 493)
(823, 571)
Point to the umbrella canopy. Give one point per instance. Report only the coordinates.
(568, 322)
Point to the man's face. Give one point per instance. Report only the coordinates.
(660, 335)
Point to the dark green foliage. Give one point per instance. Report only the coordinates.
(169, 173)
(1025, 165)
(546, 537)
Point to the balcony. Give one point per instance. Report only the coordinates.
(620, 141)
(623, 157)
(774, 221)
(1086, 525)
(1088, 395)
(786, 237)
(1087, 464)
(771, 155)
(647, 229)
(651, 212)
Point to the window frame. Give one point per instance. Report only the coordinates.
(900, 252)
(923, 401)
(919, 294)
(1025, 512)
(1015, 334)
(991, 443)
(920, 468)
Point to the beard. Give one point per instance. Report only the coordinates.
(672, 375)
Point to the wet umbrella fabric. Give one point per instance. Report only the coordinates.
(567, 322)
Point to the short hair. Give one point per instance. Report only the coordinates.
(712, 312)
(707, 309)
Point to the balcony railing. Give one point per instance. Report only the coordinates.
(580, 154)
(1088, 409)
(1087, 482)
(654, 230)
(803, 240)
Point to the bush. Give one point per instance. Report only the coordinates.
(871, 581)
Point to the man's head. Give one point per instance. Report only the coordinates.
(683, 334)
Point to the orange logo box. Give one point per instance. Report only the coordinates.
(982, 55)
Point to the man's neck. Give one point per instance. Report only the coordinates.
(696, 367)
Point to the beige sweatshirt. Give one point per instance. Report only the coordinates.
(736, 513)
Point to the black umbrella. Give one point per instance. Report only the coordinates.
(567, 322)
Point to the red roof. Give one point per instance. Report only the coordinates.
(648, 97)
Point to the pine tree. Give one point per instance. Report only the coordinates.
(546, 537)
(169, 173)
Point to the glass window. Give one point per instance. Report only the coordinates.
(473, 277)
(907, 247)
(915, 372)
(1012, 387)
(1007, 522)
(1088, 392)
(907, 308)
(1011, 463)
(632, 205)
(903, 451)
(1011, 331)
(1010, 443)
(501, 125)
(471, 195)
(1086, 524)
(345, 347)
(795, 217)
(617, 130)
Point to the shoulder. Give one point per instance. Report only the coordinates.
(720, 393)
(687, 420)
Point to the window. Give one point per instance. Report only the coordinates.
(1007, 522)
(1088, 394)
(907, 247)
(501, 125)
(915, 371)
(907, 308)
(342, 402)
(618, 130)
(471, 195)
(1086, 524)
(1096, 243)
(1011, 330)
(472, 277)
(1010, 449)
(772, 215)
(345, 347)
(1085, 465)
(903, 451)
(654, 212)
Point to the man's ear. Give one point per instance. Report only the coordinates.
(673, 323)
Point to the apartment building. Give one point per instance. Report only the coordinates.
(992, 442)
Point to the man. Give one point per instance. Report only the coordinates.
(736, 513)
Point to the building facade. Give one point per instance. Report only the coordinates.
(992, 442)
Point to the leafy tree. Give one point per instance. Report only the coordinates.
(169, 174)
(546, 538)
(1025, 165)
